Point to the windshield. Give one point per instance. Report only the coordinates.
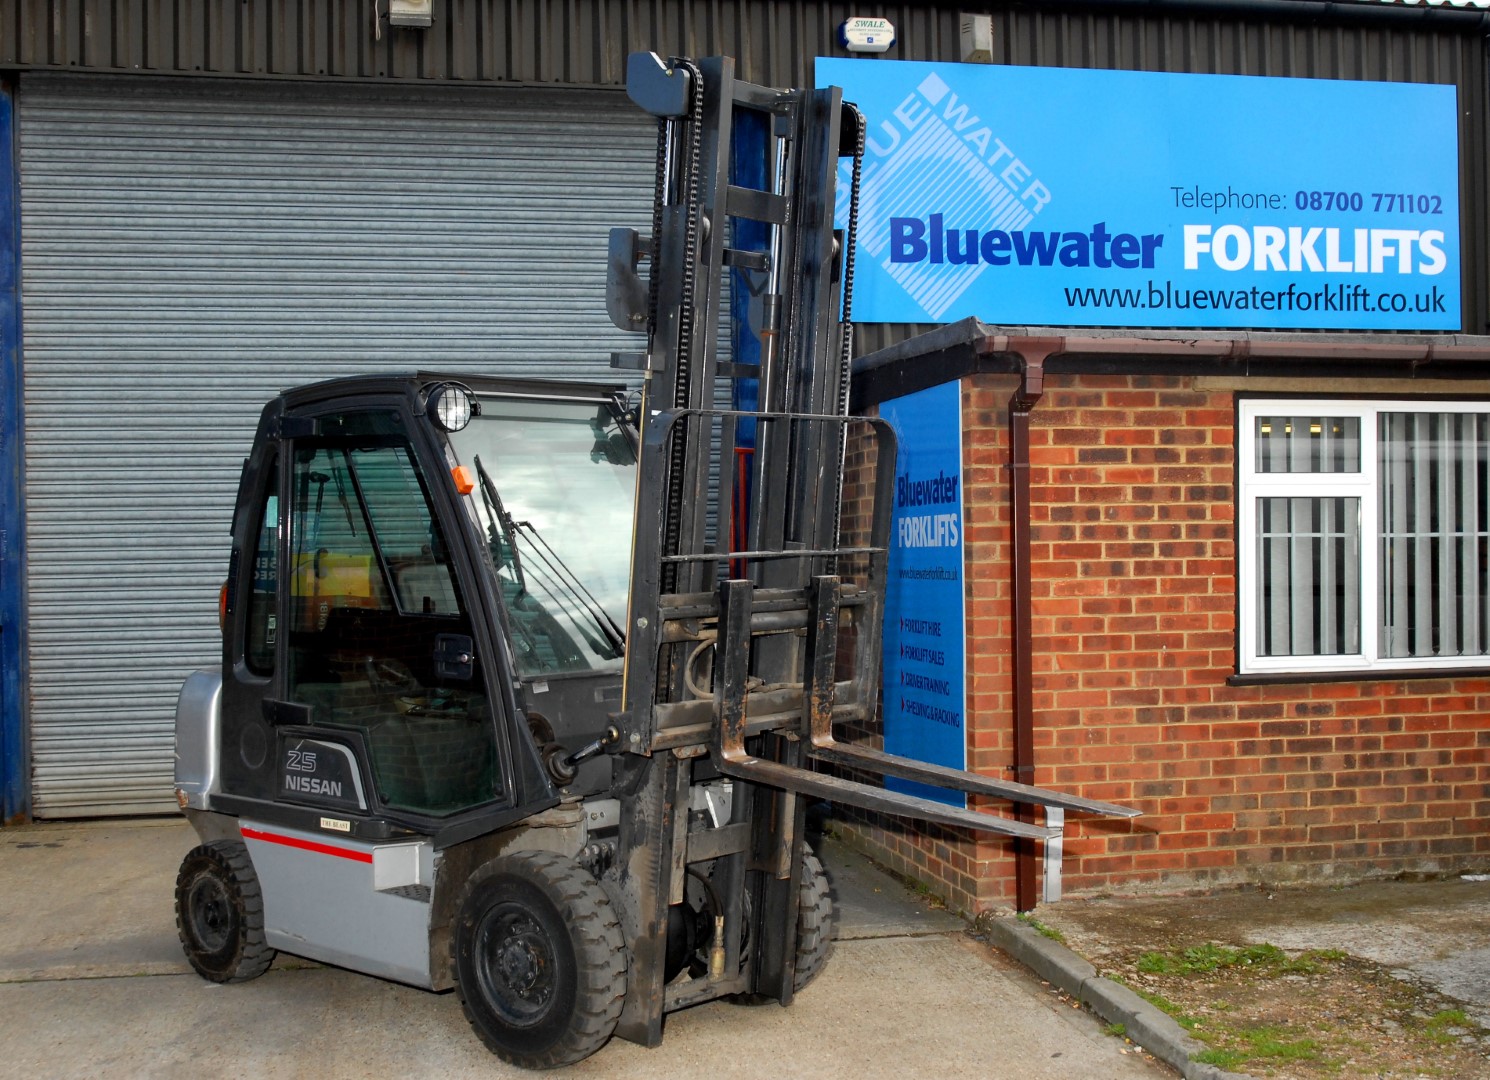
(555, 482)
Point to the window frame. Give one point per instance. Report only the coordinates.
(1253, 485)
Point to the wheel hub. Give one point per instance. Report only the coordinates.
(210, 917)
(515, 964)
(520, 965)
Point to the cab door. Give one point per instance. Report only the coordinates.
(386, 707)
(356, 636)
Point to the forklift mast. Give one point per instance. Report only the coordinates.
(739, 558)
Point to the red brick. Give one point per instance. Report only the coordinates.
(1133, 510)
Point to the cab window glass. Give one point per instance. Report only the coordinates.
(555, 494)
(263, 592)
(407, 535)
(334, 565)
(379, 641)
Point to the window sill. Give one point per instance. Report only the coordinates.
(1274, 678)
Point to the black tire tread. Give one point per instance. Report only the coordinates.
(817, 920)
(817, 928)
(600, 947)
(231, 860)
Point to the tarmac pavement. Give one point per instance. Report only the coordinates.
(1433, 932)
(1436, 932)
(92, 983)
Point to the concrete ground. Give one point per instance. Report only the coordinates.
(92, 982)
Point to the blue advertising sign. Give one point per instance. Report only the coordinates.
(925, 690)
(1062, 196)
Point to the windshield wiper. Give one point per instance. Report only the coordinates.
(576, 588)
(502, 520)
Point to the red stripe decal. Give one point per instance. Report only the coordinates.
(307, 845)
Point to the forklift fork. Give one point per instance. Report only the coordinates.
(824, 599)
(728, 749)
(823, 603)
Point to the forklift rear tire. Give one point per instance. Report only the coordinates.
(220, 913)
(540, 960)
(817, 919)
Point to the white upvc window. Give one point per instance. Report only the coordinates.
(1363, 535)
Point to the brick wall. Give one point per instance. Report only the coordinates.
(1134, 598)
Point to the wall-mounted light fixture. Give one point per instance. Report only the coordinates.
(975, 33)
(417, 13)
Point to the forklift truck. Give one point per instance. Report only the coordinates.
(526, 685)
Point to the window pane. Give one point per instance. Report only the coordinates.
(556, 484)
(1308, 444)
(1308, 576)
(409, 539)
(1434, 598)
(258, 651)
(334, 564)
(375, 611)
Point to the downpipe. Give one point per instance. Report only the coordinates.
(1032, 353)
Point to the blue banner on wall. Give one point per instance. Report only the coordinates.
(924, 687)
(1063, 196)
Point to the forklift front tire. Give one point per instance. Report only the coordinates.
(220, 913)
(540, 960)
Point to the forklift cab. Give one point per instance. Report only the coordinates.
(426, 595)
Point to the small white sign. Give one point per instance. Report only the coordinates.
(867, 35)
(336, 824)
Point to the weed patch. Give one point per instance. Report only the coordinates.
(1164, 1005)
(1040, 928)
(1208, 958)
(1447, 1026)
(1319, 1014)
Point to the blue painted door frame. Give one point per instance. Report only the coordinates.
(15, 771)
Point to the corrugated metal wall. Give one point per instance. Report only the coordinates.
(191, 248)
(585, 42)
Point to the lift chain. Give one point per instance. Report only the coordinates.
(850, 242)
(683, 363)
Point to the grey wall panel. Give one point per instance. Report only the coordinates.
(189, 249)
(585, 42)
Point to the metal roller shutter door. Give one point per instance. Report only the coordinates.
(189, 249)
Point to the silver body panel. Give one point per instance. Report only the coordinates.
(198, 716)
(367, 905)
(345, 901)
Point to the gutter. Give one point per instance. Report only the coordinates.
(971, 347)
